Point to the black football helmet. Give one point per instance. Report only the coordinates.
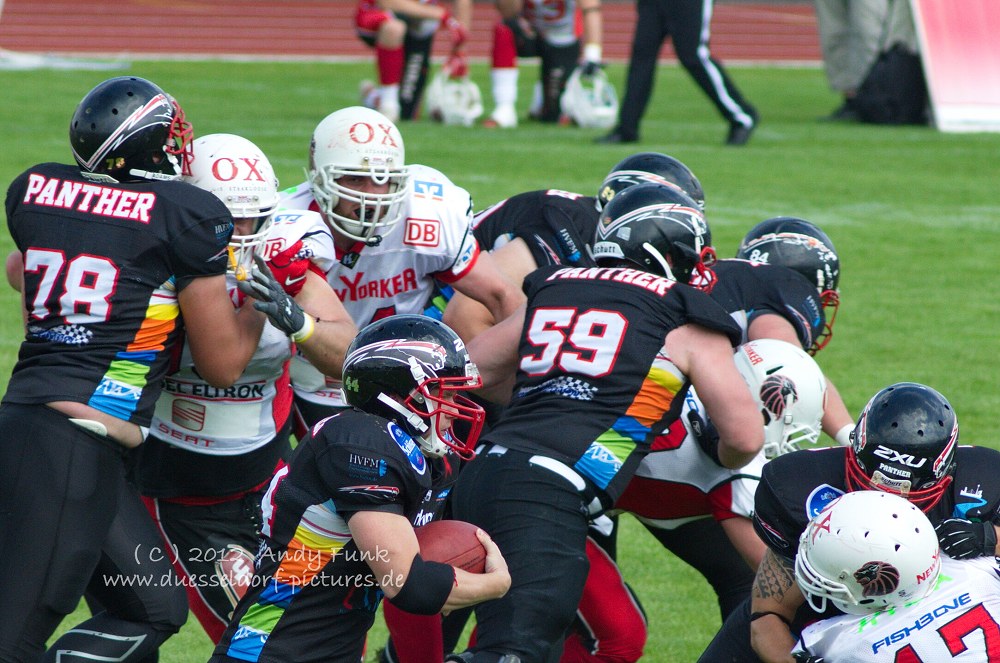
(657, 229)
(650, 167)
(129, 129)
(904, 443)
(410, 368)
(800, 245)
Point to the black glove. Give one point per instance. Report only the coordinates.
(963, 539)
(805, 657)
(275, 303)
(588, 69)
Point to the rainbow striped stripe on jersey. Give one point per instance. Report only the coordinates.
(120, 388)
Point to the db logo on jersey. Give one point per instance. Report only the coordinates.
(422, 232)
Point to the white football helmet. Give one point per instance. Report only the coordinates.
(455, 101)
(868, 550)
(362, 142)
(240, 175)
(790, 389)
(590, 101)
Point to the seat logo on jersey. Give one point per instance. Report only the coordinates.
(820, 497)
(422, 232)
(187, 414)
(410, 448)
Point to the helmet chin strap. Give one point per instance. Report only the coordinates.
(660, 258)
(412, 418)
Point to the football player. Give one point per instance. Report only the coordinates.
(211, 452)
(115, 253)
(338, 528)
(551, 32)
(878, 561)
(402, 34)
(690, 503)
(555, 227)
(582, 413)
(392, 231)
(906, 443)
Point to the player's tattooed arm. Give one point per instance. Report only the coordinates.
(775, 577)
(774, 598)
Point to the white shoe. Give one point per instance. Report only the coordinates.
(504, 117)
(389, 108)
(368, 92)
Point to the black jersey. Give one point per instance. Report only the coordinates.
(749, 289)
(558, 226)
(594, 384)
(103, 263)
(314, 596)
(796, 486)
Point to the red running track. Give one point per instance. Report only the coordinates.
(324, 29)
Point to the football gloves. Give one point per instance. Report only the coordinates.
(964, 539)
(283, 311)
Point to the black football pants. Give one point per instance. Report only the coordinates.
(70, 523)
(539, 522)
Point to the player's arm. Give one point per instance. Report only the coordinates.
(774, 598)
(509, 8)
(334, 330)
(466, 315)
(414, 9)
(837, 422)
(489, 286)
(387, 542)
(222, 339)
(743, 537)
(495, 354)
(462, 10)
(15, 279)
(593, 31)
(706, 357)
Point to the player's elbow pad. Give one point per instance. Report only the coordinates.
(427, 587)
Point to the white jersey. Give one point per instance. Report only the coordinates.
(555, 22)
(434, 240)
(194, 415)
(959, 621)
(678, 482)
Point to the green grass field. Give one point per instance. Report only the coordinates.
(913, 213)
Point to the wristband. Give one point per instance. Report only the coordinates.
(306, 331)
(754, 616)
(843, 436)
(592, 53)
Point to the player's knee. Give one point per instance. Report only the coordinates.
(391, 33)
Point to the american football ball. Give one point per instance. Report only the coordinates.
(452, 542)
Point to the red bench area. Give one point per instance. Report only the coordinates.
(274, 29)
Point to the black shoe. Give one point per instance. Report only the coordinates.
(847, 112)
(616, 137)
(739, 134)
